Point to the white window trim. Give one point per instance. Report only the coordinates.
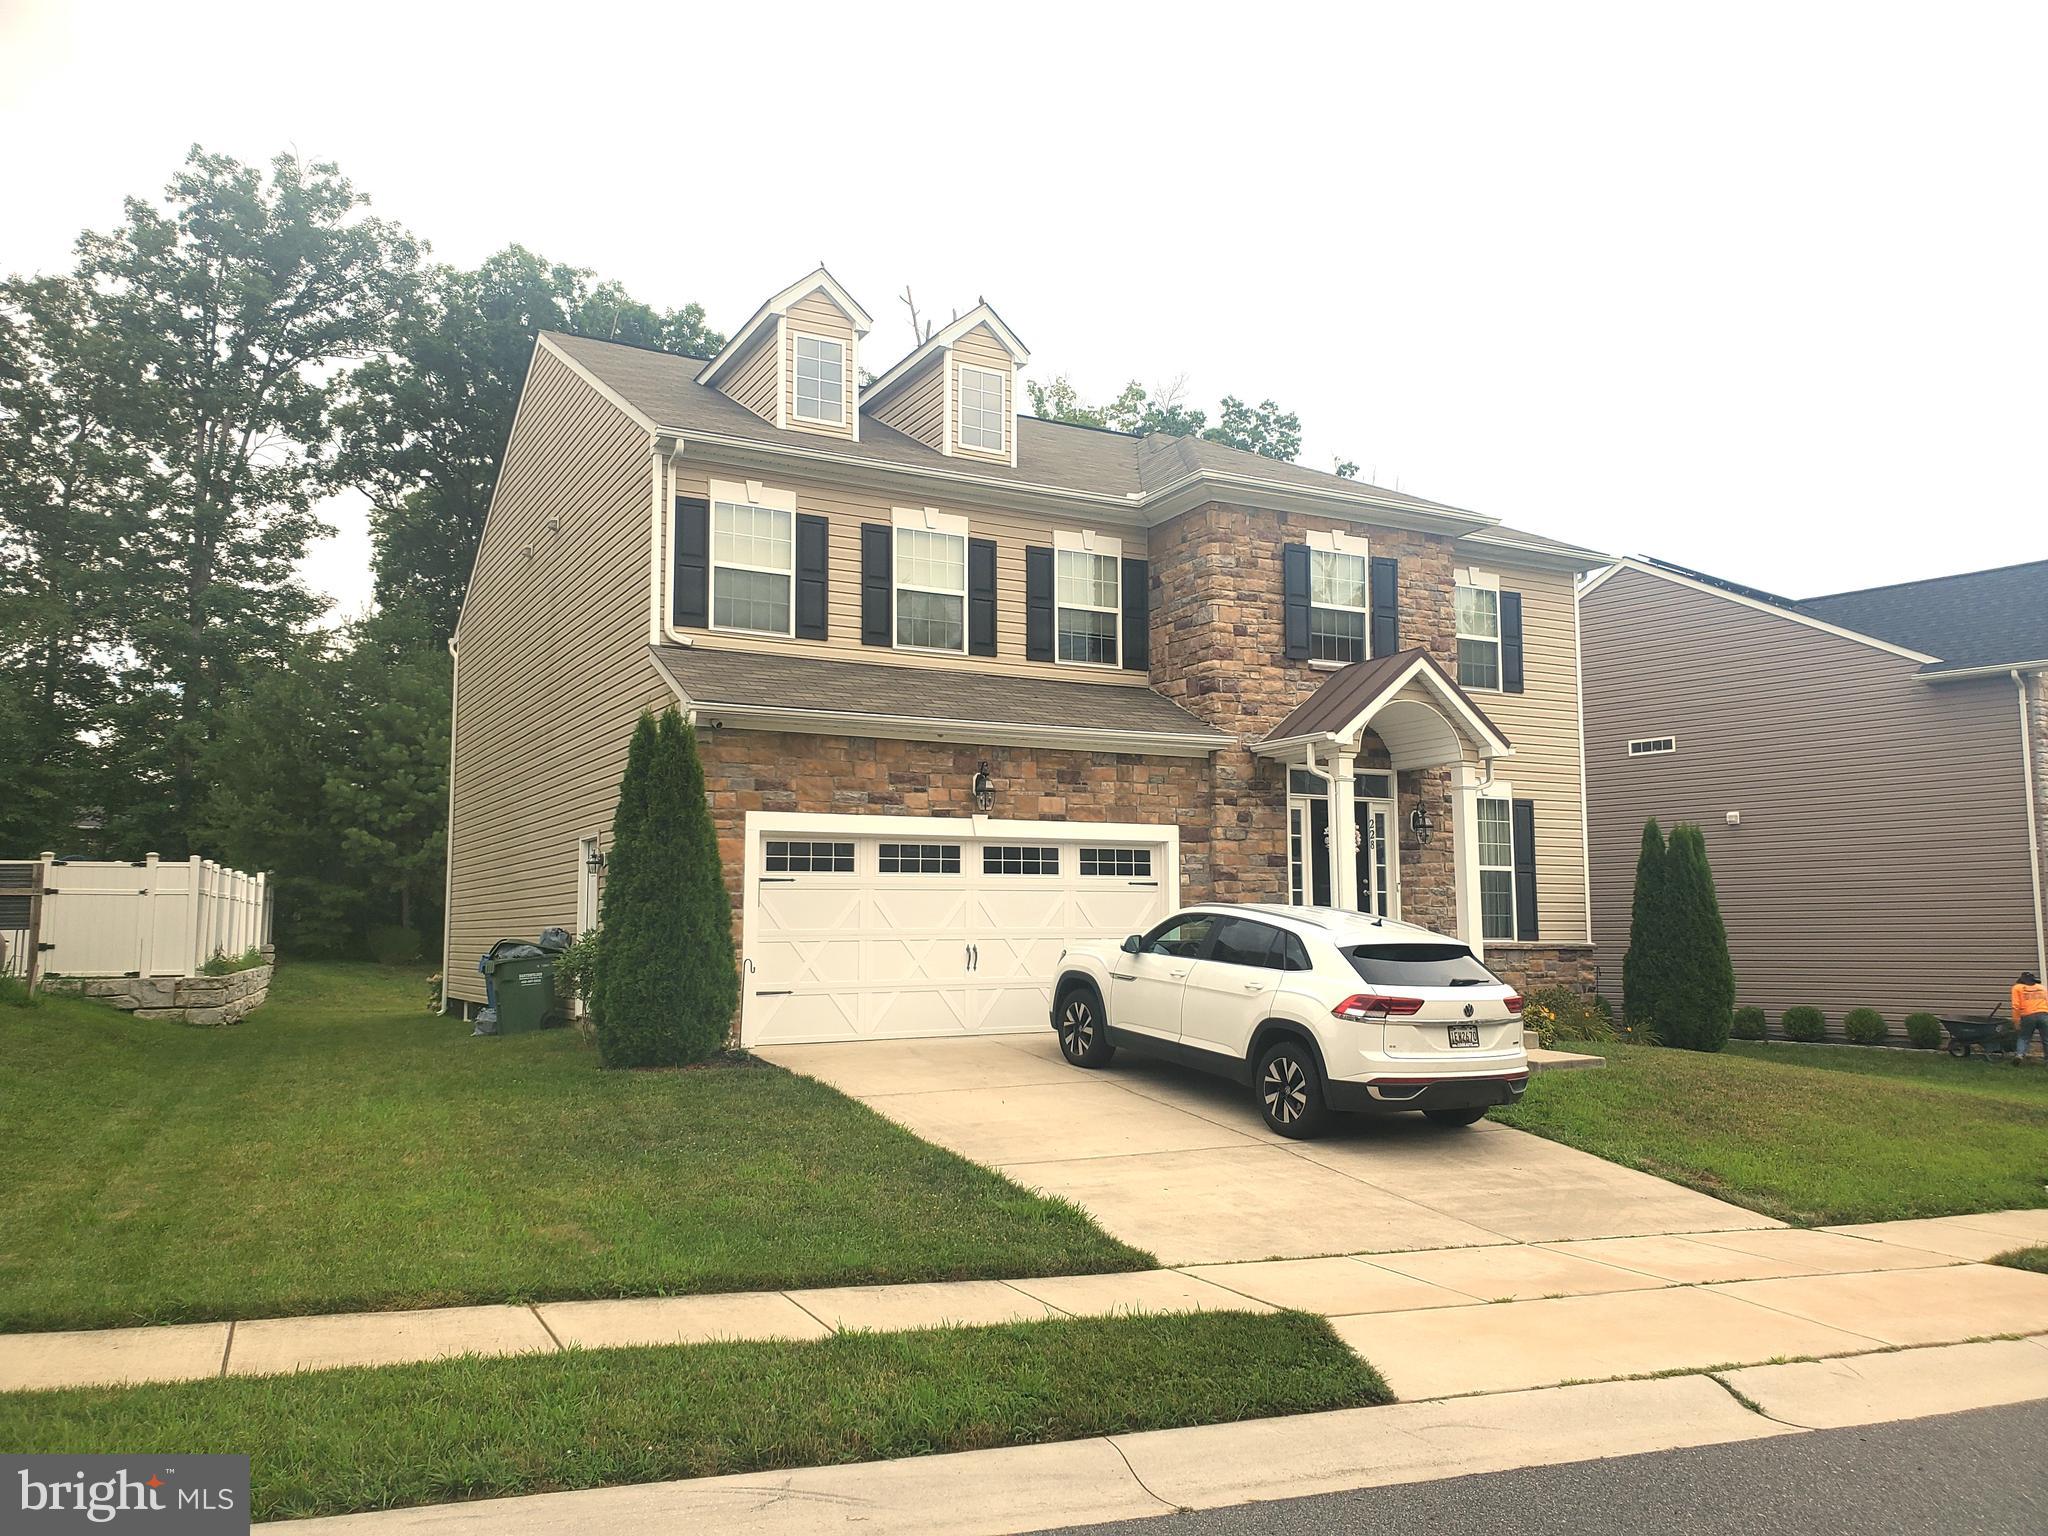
(1088, 542)
(1003, 428)
(1653, 746)
(1501, 790)
(925, 520)
(796, 400)
(1479, 581)
(759, 497)
(1338, 542)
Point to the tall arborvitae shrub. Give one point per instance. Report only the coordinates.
(1640, 967)
(629, 929)
(709, 975)
(1697, 977)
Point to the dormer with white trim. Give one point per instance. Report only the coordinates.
(796, 362)
(958, 391)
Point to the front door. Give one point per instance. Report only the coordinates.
(1308, 842)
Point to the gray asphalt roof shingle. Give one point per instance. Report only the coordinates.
(1979, 618)
(710, 677)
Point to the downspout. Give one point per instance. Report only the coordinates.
(662, 446)
(448, 828)
(2019, 679)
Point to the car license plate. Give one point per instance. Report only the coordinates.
(1464, 1034)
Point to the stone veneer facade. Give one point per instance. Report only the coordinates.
(1217, 650)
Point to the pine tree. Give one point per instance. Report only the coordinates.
(1698, 977)
(1641, 967)
(666, 985)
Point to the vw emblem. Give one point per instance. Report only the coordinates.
(1468, 1010)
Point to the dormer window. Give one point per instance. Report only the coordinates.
(820, 379)
(981, 408)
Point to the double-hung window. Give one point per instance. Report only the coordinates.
(753, 554)
(1478, 636)
(981, 409)
(1496, 867)
(1337, 605)
(820, 379)
(1087, 593)
(931, 585)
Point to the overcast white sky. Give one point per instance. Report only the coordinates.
(1757, 288)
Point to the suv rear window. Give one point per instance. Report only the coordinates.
(1419, 965)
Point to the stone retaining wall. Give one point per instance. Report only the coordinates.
(201, 1000)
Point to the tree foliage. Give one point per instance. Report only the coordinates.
(665, 983)
(1641, 967)
(1695, 976)
(1263, 428)
(422, 427)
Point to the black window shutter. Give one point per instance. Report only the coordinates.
(1386, 605)
(1294, 606)
(1038, 616)
(877, 573)
(812, 581)
(981, 597)
(692, 594)
(1511, 642)
(1138, 615)
(1524, 815)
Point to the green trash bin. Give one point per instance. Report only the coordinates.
(524, 979)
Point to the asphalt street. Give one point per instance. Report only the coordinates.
(1985, 1473)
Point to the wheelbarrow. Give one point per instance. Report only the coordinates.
(1990, 1032)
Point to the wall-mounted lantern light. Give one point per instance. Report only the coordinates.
(984, 790)
(1422, 824)
(594, 859)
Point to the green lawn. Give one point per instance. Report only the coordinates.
(329, 1442)
(1809, 1134)
(342, 1149)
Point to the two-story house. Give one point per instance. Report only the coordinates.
(969, 685)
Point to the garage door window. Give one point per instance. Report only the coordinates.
(1129, 863)
(808, 858)
(999, 859)
(920, 858)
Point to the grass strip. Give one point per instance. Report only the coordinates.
(332, 1442)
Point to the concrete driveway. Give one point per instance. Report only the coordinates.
(1181, 1164)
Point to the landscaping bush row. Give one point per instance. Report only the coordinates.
(1860, 1026)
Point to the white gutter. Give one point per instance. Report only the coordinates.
(1989, 669)
(2019, 679)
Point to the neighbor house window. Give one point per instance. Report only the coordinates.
(752, 554)
(1651, 746)
(1478, 637)
(1088, 606)
(1496, 868)
(1336, 614)
(981, 408)
(820, 380)
(931, 589)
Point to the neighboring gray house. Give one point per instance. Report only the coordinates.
(1870, 769)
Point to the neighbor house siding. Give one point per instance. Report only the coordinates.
(1882, 853)
(980, 349)
(552, 667)
(917, 406)
(816, 315)
(1013, 533)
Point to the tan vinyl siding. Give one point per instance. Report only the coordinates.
(816, 315)
(917, 407)
(1013, 533)
(753, 380)
(1882, 855)
(1542, 724)
(980, 349)
(552, 668)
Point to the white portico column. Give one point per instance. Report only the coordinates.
(1465, 780)
(1344, 831)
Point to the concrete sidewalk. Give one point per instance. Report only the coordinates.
(1437, 1322)
(1124, 1477)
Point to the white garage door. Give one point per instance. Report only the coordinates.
(931, 926)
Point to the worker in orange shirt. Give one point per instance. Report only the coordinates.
(2029, 1014)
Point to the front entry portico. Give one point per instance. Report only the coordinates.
(1343, 822)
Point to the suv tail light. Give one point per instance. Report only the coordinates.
(1514, 1003)
(1360, 1007)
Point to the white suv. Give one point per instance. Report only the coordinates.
(1314, 1008)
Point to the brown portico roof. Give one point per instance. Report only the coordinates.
(1363, 686)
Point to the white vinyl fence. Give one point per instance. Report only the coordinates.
(109, 917)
